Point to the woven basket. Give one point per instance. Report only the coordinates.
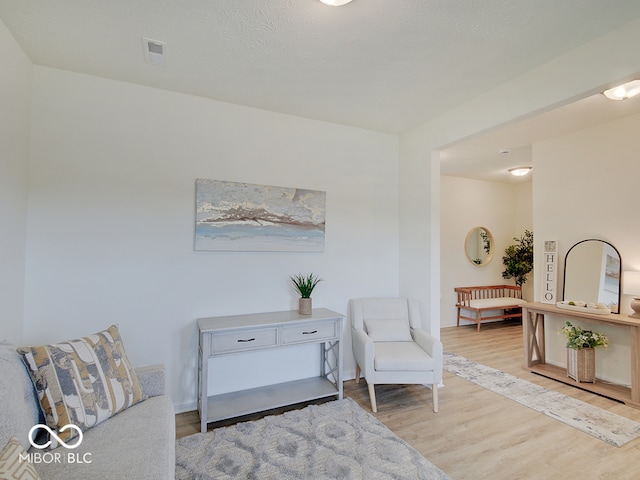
(581, 364)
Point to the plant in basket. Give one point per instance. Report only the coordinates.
(581, 344)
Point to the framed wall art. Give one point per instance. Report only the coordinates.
(232, 216)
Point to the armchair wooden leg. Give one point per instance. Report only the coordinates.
(434, 393)
(357, 373)
(372, 397)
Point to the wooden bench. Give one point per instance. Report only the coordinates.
(486, 298)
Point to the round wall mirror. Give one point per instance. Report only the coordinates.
(479, 246)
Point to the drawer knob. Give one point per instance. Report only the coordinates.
(310, 333)
(248, 340)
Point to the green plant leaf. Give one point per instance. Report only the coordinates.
(304, 285)
(578, 338)
(518, 259)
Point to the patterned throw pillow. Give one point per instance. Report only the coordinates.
(82, 382)
(14, 464)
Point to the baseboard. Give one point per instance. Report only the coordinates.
(186, 407)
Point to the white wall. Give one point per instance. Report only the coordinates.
(15, 103)
(502, 208)
(586, 187)
(111, 215)
(419, 243)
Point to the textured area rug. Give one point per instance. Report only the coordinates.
(335, 440)
(606, 426)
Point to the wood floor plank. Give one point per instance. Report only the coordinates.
(481, 435)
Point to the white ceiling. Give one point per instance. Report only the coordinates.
(481, 157)
(386, 65)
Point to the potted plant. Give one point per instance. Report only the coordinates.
(518, 259)
(581, 354)
(304, 285)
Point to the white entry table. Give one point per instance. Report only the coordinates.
(274, 330)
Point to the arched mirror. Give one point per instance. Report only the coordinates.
(479, 245)
(592, 273)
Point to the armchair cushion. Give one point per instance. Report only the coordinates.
(388, 330)
(399, 356)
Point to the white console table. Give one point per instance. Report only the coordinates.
(274, 330)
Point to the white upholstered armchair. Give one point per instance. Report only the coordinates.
(391, 347)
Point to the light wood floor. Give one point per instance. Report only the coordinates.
(481, 435)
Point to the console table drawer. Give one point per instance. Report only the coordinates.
(244, 340)
(309, 333)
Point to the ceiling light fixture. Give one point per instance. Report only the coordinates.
(335, 3)
(622, 92)
(520, 171)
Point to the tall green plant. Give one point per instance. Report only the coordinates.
(518, 258)
(305, 284)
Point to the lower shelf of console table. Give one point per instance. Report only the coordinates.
(533, 322)
(601, 387)
(275, 330)
(236, 404)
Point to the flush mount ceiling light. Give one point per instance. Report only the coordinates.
(335, 3)
(622, 92)
(520, 171)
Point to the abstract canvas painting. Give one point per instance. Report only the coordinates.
(233, 216)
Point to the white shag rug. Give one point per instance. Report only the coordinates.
(335, 440)
(602, 424)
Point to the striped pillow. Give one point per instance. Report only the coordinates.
(82, 382)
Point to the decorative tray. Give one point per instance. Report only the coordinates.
(577, 308)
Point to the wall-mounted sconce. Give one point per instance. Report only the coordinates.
(520, 171)
(631, 286)
(622, 92)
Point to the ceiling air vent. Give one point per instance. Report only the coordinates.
(154, 51)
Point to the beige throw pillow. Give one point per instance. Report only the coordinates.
(388, 330)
